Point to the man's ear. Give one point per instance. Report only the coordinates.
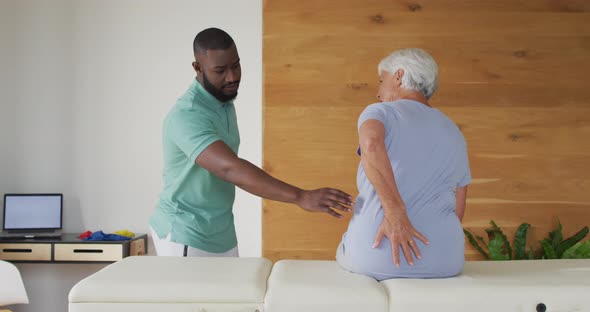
(197, 66)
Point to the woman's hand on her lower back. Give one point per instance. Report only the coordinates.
(400, 232)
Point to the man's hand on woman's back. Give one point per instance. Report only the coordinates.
(325, 200)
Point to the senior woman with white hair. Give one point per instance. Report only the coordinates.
(412, 179)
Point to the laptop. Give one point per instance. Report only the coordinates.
(32, 216)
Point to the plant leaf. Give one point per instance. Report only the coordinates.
(556, 236)
(520, 242)
(568, 243)
(531, 254)
(549, 251)
(491, 234)
(474, 243)
(480, 239)
(496, 248)
(499, 232)
(578, 251)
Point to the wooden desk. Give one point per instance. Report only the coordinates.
(70, 249)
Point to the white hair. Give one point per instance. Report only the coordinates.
(420, 70)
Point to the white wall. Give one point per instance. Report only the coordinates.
(8, 99)
(35, 105)
(85, 87)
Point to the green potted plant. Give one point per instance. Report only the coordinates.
(498, 246)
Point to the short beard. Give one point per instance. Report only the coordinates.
(218, 93)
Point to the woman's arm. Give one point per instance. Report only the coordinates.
(461, 198)
(396, 225)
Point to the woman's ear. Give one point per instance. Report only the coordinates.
(398, 76)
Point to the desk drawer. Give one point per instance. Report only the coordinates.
(137, 247)
(88, 252)
(25, 252)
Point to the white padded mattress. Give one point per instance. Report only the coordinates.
(179, 284)
(507, 286)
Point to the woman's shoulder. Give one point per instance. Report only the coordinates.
(447, 120)
(451, 126)
(383, 106)
(398, 105)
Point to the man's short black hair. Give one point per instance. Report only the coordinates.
(211, 39)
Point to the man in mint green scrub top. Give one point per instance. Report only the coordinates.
(201, 167)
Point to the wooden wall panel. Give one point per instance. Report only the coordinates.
(513, 77)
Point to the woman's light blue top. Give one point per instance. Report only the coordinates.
(428, 155)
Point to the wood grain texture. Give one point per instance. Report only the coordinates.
(271, 6)
(513, 76)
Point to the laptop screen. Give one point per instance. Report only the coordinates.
(32, 211)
